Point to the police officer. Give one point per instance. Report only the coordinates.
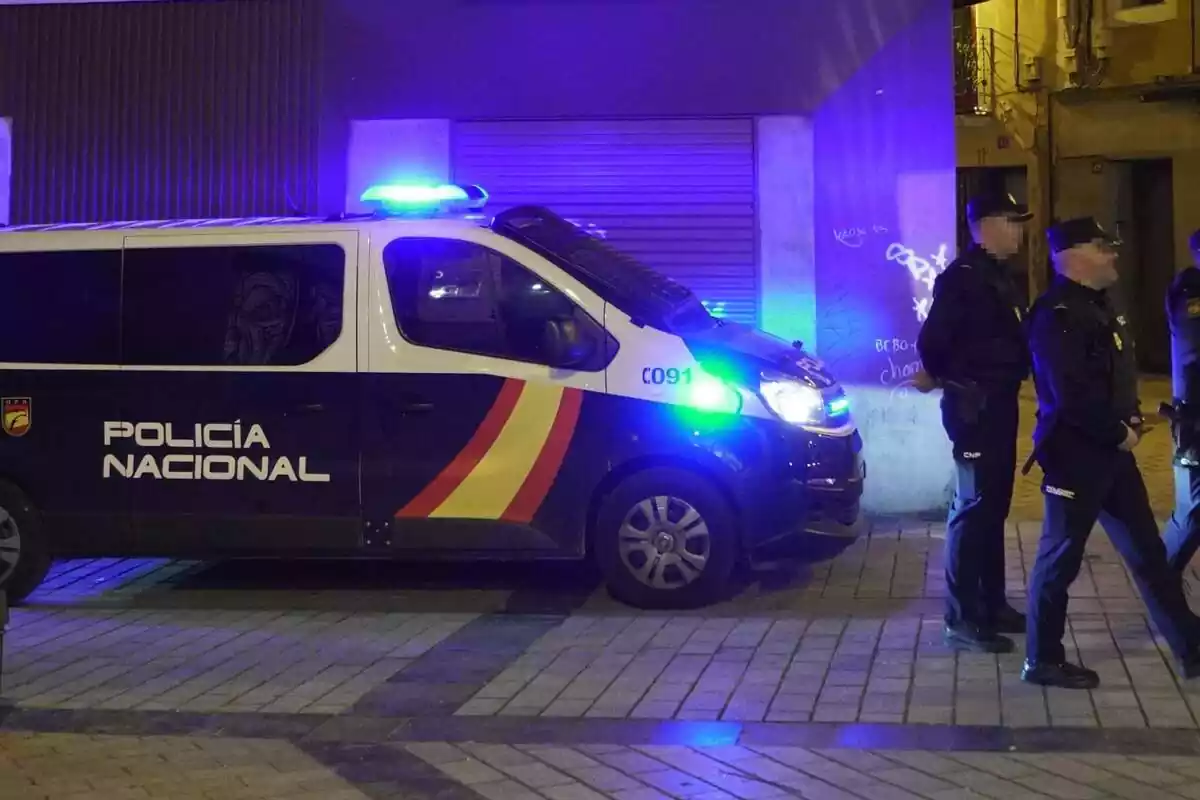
(973, 346)
(1182, 535)
(1084, 442)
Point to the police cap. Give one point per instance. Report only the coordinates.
(996, 204)
(1075, 232)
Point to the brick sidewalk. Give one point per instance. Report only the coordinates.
(651, 772)
(83, 767)
(855, 639)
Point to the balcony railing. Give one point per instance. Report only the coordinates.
(974, 70)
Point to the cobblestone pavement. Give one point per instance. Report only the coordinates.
(145, 678)
(79, 766)
(91, 767)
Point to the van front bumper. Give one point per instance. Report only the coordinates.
(815, 509)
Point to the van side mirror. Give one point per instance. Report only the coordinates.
(565, 344)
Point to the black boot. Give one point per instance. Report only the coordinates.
(1064, 675)
(1007, 619)
(965, 636)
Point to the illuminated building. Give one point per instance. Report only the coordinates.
(1090, 106)
(792, 161)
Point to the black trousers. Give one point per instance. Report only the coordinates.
(1114, 493)
(985, 457)
(1182, 534)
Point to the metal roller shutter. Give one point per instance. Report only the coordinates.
(678, 194)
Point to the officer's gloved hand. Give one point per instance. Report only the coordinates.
(1138, 423)
(924, 383)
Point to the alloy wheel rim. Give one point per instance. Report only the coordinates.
(664, 542)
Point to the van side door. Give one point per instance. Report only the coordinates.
(475, 441)
(240, 386)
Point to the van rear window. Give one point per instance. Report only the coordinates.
(254, 305)
(60, 307)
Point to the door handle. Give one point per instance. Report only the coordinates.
(416, 408)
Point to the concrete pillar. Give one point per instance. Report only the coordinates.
(787, 259)
(884, 155)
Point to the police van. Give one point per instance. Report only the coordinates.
(422, 382)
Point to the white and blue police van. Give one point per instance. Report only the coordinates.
(423, 382)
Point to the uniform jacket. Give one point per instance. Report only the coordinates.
(973, 342)
(1082, 367)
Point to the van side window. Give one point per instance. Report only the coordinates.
(461, 296)
(60, 307)
(257, 305)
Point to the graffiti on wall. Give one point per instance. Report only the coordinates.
(854, 236)
(900, 353)
(922, 271)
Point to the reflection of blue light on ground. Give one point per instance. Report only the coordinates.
(698, 734)
(870, 736)
(82, 579)
(863, 737)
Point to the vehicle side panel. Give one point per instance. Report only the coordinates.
(280, 471)
(56, 461)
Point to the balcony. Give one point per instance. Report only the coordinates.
(974, 70)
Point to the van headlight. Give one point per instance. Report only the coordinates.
(793, 401)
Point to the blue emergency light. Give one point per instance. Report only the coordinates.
(421, 199)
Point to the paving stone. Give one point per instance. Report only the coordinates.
(436, 753)
(572, 791)
(605, 779)
(505, 790)
(470, 771)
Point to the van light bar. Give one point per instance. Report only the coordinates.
(397, 198)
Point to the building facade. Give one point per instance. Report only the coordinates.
(1092, 107)
(760, 152)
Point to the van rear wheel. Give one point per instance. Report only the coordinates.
(24, 557)
(666, 538)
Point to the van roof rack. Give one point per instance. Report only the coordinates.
(215, 222)
(161, 224)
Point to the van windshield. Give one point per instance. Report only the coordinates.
(643, 293)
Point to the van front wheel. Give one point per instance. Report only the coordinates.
(666, 538)
(24, 558)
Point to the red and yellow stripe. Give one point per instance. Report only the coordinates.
(507, 468)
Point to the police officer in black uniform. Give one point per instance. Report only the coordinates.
(1182, 535)
(973, 346)
(1086, 431)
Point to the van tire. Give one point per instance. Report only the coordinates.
(33, 557)
(668, 539)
